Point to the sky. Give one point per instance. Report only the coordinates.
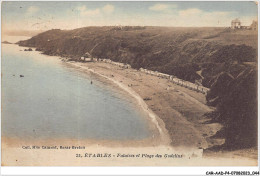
(70, 15)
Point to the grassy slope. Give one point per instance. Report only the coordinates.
(178, 51)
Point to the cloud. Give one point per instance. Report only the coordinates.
(194, 17)
(86, 12)
(161, 7)
(31, 10)
(190, 12)
(108, 8)
(159, 14)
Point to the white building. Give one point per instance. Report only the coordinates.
(235, 24)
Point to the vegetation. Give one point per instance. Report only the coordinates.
(178, 51)
(236, 102)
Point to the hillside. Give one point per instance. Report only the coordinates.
(6, 42)
(236, 108)
(178, 51)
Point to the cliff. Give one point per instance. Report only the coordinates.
(236, 108)
(178, 51)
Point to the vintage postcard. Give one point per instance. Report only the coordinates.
(136, 83)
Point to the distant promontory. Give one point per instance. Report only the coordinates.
(6, 42)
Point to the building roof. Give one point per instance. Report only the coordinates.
(87, 54)
(236, 21)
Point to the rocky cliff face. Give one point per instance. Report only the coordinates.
(219, 88)
(236, 102)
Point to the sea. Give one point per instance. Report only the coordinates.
(43, 98)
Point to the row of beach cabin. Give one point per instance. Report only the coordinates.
(177, 81)
(119, 64)
(172, 78)
(122, 65)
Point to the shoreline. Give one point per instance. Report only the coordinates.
(163, 135)
(92, 67)
(158, 133)
(154, 117)
(176, 112)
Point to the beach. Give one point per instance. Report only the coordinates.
(177, 109)
(175, 116)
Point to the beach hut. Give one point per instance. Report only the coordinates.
(88, 60)
(159, 74)
(86, 57)
(122, 65)
(152, 73)
(127, 66)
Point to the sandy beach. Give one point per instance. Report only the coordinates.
(174, 108)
